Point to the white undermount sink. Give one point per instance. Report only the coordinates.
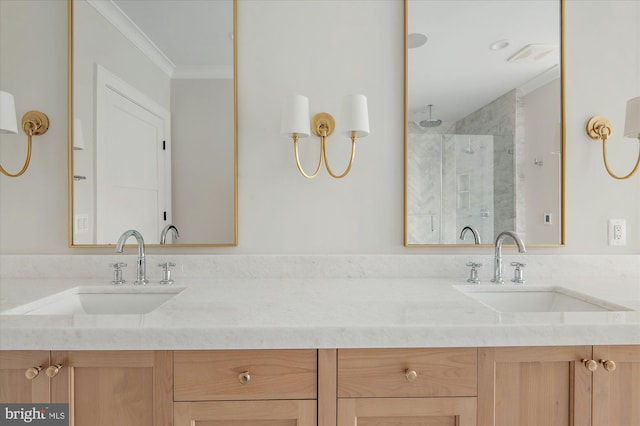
(536, 299)
(100, 300)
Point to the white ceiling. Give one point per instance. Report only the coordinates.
(196, 36)
(457, 72)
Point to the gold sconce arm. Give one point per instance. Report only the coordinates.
(353, 154)
(323, 124)
(295, 150)
(34, 123)
(599, 128)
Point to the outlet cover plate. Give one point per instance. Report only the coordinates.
(617, 232)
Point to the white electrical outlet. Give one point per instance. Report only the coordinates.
(617, 232)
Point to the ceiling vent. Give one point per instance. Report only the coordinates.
(533, 53)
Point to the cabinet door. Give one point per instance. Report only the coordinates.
(528, 386)
(15, 387)
(407, 411)
(246, 413)
(124, 388)
(616, 392)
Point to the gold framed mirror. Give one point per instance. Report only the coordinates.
(152, 122)
(484, 122)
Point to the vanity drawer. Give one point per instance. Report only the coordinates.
(407, 372)
(245, 375)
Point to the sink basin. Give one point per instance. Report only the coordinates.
(99, 301)
(537, 299)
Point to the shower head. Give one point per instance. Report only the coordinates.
(430, 122)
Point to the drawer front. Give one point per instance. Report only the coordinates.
(407, 372)
(245, 375)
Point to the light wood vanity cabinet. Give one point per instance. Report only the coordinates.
(124, 388)
(407, 387)
(548, 386)
(553, 386)
(15, 386)
(250, 387)
(616, 393)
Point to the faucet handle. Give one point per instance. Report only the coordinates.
(518, 273)
(166, 272)
(117, 273)
(473, 273)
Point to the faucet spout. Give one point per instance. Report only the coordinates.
(474, 231)
(141, 270)
(497, 270)
(165, 231)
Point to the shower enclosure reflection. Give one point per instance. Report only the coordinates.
(484, 121)
(453, 173)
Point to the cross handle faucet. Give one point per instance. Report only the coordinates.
(141, 272)
(497, 270)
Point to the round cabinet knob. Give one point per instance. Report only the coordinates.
(608, 364)
(411, 375)
(590, 364)
(53, 370)
(244, 377)
(32, 372)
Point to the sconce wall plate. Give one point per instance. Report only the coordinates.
(323, 124)
(598, 127)
(35, 122)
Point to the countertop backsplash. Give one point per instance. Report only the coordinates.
(539, 268)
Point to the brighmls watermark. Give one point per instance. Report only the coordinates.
(34, 414)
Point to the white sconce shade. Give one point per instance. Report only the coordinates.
(8, 121)
(632, 118)
(78, 134)
(295, 116)
(355, 115)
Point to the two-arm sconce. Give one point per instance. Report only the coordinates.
(599, 127)
(295, 123)
(34, 123)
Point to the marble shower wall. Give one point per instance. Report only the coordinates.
(450, 186)
(471, 168)
(503, 118)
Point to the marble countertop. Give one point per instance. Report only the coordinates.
(253, 313)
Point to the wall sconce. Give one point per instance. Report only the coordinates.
(599, 127)
(34, 123)
(295, 123)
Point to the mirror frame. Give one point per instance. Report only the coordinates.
(563, 136)
(70, 92)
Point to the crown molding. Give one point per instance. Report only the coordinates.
(112, 13)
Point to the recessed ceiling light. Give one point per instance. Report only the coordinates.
(499, 45)
(416, 40)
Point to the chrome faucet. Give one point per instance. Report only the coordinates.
(165, 231)
(476, 236)
(497, 271)
(141, 278)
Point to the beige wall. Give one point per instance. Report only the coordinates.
(202, 123)
(325, 49)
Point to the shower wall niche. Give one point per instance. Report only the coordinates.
(451, 173)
